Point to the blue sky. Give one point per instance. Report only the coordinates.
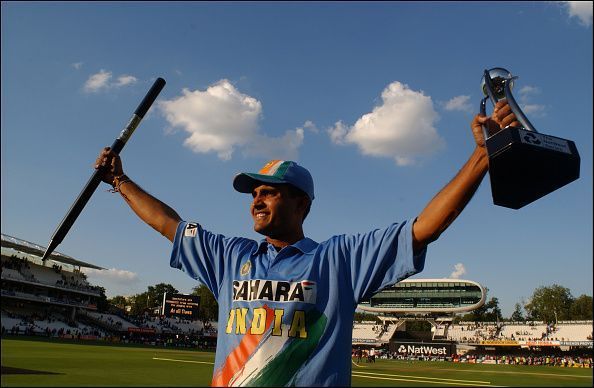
(374, 98)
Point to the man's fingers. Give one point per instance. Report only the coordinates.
(105, 157)
(509, 120)
(479, 120)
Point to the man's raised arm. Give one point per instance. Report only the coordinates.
(155, 213)
(443, 209)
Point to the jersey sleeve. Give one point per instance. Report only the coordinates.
(381, 258)
(205, 256)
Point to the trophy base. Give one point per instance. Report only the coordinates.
(525, 166)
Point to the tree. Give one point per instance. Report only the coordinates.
(139, 304)
(102, 303)
(364, 316)
(209, 308)
(488, 312)
(493, 313)
(517, 315)
(118, 301)
(550, 304)
(581, 308)
(156, 293)
(150, 299)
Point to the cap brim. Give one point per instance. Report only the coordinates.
(246, 182)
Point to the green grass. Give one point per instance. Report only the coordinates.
(99, 365)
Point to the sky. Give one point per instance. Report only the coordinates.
(374, 98)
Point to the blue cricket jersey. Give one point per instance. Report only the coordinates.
(285, 318)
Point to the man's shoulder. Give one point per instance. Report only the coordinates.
(374, 233)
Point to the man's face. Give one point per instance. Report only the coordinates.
(276, 213)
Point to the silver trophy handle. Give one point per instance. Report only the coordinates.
(483, 111)
(499, 88)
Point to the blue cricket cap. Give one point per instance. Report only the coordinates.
(276, 171)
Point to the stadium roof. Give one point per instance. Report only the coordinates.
(395, 293)
(38, 250)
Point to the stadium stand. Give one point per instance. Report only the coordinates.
(44, 297)
(365, 332)
(524, 331)
(470, 332)
(572, 331)
(373, 333)
(112, 321)
(473, 332)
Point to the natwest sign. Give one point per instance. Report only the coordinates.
(422, 349)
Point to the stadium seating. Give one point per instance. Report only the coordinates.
(439, 332)
(388, 333)
(373, 332)
(472, 332)
(112, 320)
(10, 273)
(45, 275)
(364, 331)
(523, 331)
(574, 331)
(529, 331)
(186, 327)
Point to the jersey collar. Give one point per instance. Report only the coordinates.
(305, 245)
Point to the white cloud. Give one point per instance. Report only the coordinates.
(582, 10)
(528, 91)
(459, 270)
(338, 133)
(124, 80)
(98, 81)
(112, 279)
(459, 103)
(115, 281)
(400, 128)
(77, 65)
(221, 119)
(310, 126)
(102, 81)
(526, 95)
(284, 148)
(111, 274)
(533, 109)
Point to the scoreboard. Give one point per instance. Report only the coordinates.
(181, 306)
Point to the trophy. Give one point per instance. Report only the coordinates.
(524, 165)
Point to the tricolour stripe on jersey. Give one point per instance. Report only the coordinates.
(238, 357)
(279, 370)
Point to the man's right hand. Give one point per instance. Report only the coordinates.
(501, 117)
(110, 163)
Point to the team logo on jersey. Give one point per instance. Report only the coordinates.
(245, 268)
(275, 291)
(191, 230)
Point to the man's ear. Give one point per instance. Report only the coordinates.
(303, 202)
(304, 206)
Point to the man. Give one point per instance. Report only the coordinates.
(286, 303)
